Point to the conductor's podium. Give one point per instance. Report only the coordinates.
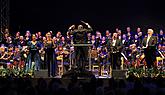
(89, 52)
(80, 72)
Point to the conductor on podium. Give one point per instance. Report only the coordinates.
(80, 37)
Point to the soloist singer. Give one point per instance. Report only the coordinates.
(149, 46)
(80, 37)
(115, 47)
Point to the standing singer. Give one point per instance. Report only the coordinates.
(115, 46)
(149, 46)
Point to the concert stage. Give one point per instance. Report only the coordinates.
(116, 74)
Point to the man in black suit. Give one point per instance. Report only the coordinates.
(80, 37)
(115, 47)
(149, 45)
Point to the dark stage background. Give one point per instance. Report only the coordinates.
(45, 15)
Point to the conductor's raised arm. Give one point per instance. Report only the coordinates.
(71, 29)
(89, 28)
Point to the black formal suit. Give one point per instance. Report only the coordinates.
(80, 35)
(81, 52)
(150, 50)
(140, 40)
(115, 53)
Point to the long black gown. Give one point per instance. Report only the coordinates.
(50, 59)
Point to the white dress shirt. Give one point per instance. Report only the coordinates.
(113, 42)
(148, 38)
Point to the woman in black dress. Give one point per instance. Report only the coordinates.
(50, 55)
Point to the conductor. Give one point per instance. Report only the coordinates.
(80, 37)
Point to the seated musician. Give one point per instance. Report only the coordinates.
(94, 55)
(17, 57)
(7, 56)
(3, 57)
(62, 56)
(133, 54)
(10, 56)
(149, 45)
(59, 52)
(160, 52)
(103, 54)
(66, 58)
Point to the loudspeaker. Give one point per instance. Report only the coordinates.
(41, 74)
(119, 74)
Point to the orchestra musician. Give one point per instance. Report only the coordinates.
(149, 46)
(9, 56)
(17, 57)
(103, 55)
(3, 57)
(133, 54)
(62, 53)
